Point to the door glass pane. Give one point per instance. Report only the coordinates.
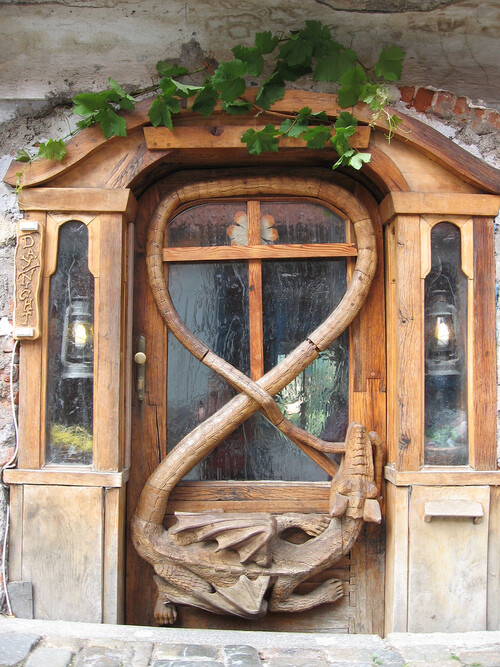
(446, 427)
(212, 300)
(298, 296)
(70, 366)
(301, 222)
(213, 224)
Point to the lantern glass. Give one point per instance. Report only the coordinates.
(70, 363)
(446, 423)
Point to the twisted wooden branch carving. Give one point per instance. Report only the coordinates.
(254, 395)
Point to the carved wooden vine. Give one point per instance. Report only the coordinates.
(226, 562)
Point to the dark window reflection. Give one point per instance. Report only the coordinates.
(70, 364)
(446, 427)
(212, 299)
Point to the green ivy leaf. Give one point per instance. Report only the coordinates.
(166, 69)
(85, 122)
(205, 101)
(319, 116)
(53, 149)
(22, 155)
(162, 109)
(126, 104)
(287, 73)
(369, 95)
(327, 69)
(295, 128)
(303, 115)
(237, 108)
(265, 42)
(227, 79)
(262, 140)
(184, 90)
(88, 103)
(319, 35)
(352, 83)
(292, 128)
(316, 137)
(252, 57)
(315, 30)
(347, 61)
(159, 114)
(111, 123)
(167, 86)
(297, 51)
(347, 122)
(359, 159)
(271, 90)
(119, 90)
(390, 63)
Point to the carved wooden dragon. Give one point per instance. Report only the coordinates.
(226, 562)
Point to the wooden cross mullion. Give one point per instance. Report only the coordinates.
(255, 294)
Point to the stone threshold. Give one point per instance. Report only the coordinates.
(36, 643)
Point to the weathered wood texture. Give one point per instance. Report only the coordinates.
(412, 132)
(212, 578)
(110, 328)
(493, 594)
(255, 293)
(283, 251)
(405, 412)
(113, 592)
(98, 200)
(414, 203)
(148, 444)
(194, 447)
(61, 475)
(68, 523)
(30, 388)
(483, 457)
(368, 406)
(448, 557)
(459, 476)
(227, 136)
(16, 500)
(396, 574)
(271, 497)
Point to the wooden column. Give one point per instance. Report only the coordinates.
(406, 412)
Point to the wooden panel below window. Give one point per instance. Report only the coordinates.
(62, 551)
(447, 578)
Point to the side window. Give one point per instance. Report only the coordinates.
(446, 420)
(70, 364)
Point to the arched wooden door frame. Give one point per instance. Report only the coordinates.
(363, 605)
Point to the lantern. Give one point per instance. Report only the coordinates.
(77, 354)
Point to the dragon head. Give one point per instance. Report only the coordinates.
(353, 492)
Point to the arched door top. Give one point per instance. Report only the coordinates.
(125, 162)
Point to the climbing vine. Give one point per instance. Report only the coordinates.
(284, 58)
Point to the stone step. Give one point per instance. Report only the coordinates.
(35, 643)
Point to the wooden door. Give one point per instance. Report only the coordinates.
(252, 312)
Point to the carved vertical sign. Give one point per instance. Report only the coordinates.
(28, 268)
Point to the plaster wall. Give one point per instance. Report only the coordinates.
(54, 49)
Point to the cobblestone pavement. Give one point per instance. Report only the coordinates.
(63, 644)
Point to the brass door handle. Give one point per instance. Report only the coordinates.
(140, 361)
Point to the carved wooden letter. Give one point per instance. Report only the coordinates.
(28, 267)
